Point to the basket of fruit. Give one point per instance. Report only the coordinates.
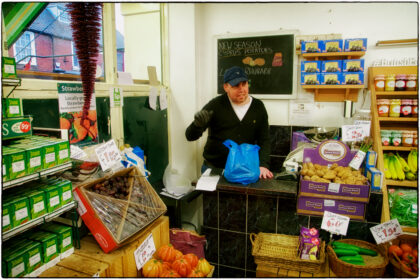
(356, 258)
(403, 256)
(170, 262)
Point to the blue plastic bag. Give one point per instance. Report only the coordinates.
(243, 163)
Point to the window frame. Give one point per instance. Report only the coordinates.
(32, 46)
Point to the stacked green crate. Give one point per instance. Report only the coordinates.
(5, 166)
(52, 196)
(14, 258)
(34, 156)
(64, 235)
(49, 244)
(19, 209)
(14, 160)
(37, 202)
(7, 213)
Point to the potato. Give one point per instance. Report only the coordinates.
(306, 178)
(334, 166)
(304, 171)
(320, 172)
(310, 173)
(311, 166)
(315, 178)
(350, 180)
(329, 175)
(322, 180)
(317, 166)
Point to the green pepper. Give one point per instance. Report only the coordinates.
(345, 252)
(357, 259)
(360, 250)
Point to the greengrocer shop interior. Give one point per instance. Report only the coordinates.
(179, 39)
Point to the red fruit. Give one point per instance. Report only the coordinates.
(414, 267)
(406, 248)
(406, 266)
(408, 257)
(395, 249)
(415, 253)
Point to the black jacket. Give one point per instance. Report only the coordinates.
(224, 124)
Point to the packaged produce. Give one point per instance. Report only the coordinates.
(7, 215)
(333, 45)
(64, 235)
(375, 177)
(331, 79)
(14, 262)
(20, 209)
(355, 44)
(331, 66)
(15, 161)
(309, 243)
(403, 206)
(353, 78)
(311, 66)
(310, 78)
(13, 107)
(36, 203)
(310, 47)
(353, 65)
(48, 243)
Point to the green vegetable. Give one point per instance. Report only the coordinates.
(345, 252)
(357, 259)
(360, 250)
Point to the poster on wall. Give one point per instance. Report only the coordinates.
(70, 102)
(268, 58)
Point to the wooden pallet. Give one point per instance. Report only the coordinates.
(90, 260)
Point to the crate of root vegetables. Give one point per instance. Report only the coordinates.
(403, 256)
(116, 207)
(356, 258)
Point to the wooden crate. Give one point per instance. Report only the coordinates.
(91, 260)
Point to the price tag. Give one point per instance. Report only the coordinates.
(386, 231)
(77, 153)
(335, 223)
(108, 154)
(334, 187)
(144, 252)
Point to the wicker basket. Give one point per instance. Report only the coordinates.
(399, 272)
(344, 269)
(281, 251)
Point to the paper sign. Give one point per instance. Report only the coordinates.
(352, 133)
(162, 99)
(151, 70)
(301, 111)
(386, 231)
(124, 78)
(335, 223)
(116, 97)
(153, 97)
(77, 153)
(108, 154)
(144, 252)
(207, 182)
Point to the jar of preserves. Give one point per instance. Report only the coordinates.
(390, 82)
(415, 142)
(406, 107)
(395, 108)
(380, 82)
(396, 138)
(415, 109)
(386, 137)
(411, 82)
(400, 82)
(383, 107)
(407, 138)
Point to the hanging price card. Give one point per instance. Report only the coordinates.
(144, 252)
(386, 231)
(335, 223)
(108, 154)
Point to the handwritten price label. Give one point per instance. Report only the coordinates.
(335, 223)
(144, 252)
(386, 231)
(108, 154)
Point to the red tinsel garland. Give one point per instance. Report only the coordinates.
(86, 25)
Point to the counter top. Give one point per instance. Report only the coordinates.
(263, 186)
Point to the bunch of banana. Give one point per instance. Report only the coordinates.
(397, 168)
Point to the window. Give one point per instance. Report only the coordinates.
(49, 39)
(24, 49)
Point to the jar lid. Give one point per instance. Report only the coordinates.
(407, 101)
(401, 76)
(407, 133)
(379, 77)
(382, 101)
(386, 132)
(412, 76)
(415, 101)
(390, 76)
(415, 133)
(395, 100)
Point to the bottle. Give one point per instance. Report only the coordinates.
(415, 109)
(400, 82)
(396, 136)
(383, 107)
(386, 137)
(390, 82)
(407, 138)
(411, 82)
(395, 108)
(380, 82)
(415, 139)
(406, 107)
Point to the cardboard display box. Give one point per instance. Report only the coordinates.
(113, 221)
(317, 206)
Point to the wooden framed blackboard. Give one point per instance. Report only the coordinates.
(269, 59)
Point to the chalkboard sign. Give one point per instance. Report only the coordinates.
(268, 60)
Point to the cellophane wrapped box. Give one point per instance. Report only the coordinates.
(116, 207)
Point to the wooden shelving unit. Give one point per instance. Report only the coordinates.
(379, 123)
(333, 93)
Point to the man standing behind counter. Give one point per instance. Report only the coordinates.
(236, 116)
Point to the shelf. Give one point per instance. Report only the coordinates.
(396, 93)
(405, 183)
(391, 119)
(334, 93)
(333, 54)
(40, 220)
(394, 148)
(35, 176)
(409, 229)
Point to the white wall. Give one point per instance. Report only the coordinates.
(192, 28)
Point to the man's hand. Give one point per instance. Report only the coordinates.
(202, 118)
(265, 173)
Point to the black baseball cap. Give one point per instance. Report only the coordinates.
(235, 75)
